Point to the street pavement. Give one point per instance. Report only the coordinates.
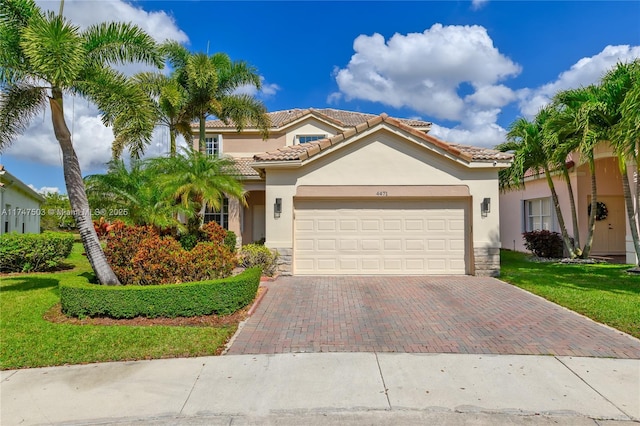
(329, 389)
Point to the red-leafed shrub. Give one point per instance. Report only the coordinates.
(210, 260)
(139, 255)
(213, 232)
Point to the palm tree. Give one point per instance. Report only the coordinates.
(585, 118)
(42, 57)
(134, 196)
(621, 86)
(559, 143)
(171, 108)
(211, 83)
(197, 182)
(526, 140)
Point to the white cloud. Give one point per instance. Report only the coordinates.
(488, 135)
(267, 90)
(478, 4)
(45, 189)
(92, 140)
(85, 13)
(424, 71)
(583, 73)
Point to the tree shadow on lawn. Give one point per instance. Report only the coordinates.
(609, 278)
(28, 283)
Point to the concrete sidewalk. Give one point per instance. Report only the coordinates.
(328, 388)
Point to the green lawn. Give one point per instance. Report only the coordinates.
(27, 340)
(603, 292)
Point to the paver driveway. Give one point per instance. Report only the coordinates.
(420, 314)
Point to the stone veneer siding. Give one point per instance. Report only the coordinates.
(487, 261)
(285, 260)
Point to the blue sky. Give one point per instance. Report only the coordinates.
(469, 67)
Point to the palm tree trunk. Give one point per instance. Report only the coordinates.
(556, 203)
(201, 134)
(172, 142)
(78, 196)
(594, 207)
(574, 214)
(628, 200)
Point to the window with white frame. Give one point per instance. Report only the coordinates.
(309, 138)
(221, 217)
(213, 145)
(538, 215)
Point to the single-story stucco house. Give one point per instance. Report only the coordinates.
(19, 205)
(340, 192)
(531, 208)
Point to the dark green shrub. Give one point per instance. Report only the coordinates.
(544, 243)
(188, 241)
(33, 252)
(224, 296)
(256, 255)
(230, 241)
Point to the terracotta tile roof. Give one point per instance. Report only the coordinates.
(340, 118)
(303, 151)
(244, 168)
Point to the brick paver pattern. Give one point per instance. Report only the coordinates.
(420, 314)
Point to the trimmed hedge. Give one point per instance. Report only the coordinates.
(34, 252)
(222, 296)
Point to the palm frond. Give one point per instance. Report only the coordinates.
(119, 43)
(54, 49)
(245, 110)
(18, 105)
(14, 16)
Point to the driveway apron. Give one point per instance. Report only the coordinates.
(477, 315)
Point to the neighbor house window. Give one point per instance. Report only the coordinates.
(538, 215)
(220, 217)
(213, 145)
(309, 138)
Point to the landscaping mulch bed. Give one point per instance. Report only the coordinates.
(56, 315)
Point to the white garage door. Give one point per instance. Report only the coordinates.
(379, 237)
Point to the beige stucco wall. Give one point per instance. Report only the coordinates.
(18, 208)
(310, 126)
(247, 145)
(382, 158)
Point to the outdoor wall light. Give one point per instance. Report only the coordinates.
(277, 208)
(485, 207)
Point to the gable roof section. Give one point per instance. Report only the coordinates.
(307, 150)
(339, 118)
(8, 180)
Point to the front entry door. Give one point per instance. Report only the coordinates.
(609, 235)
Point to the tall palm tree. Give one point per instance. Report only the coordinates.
(42, 57)
(198, 181)
(171, 102)
(585, 118)
(134, 196)
(559, 143)
(621, 87)
(526, 140)
(212, 83)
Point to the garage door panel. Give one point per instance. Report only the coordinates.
(379, 237)
(370, 225)
(457, 245)
(326, 225)
(348, 225)
(392, 225)
(393, 245)
(456, 225)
